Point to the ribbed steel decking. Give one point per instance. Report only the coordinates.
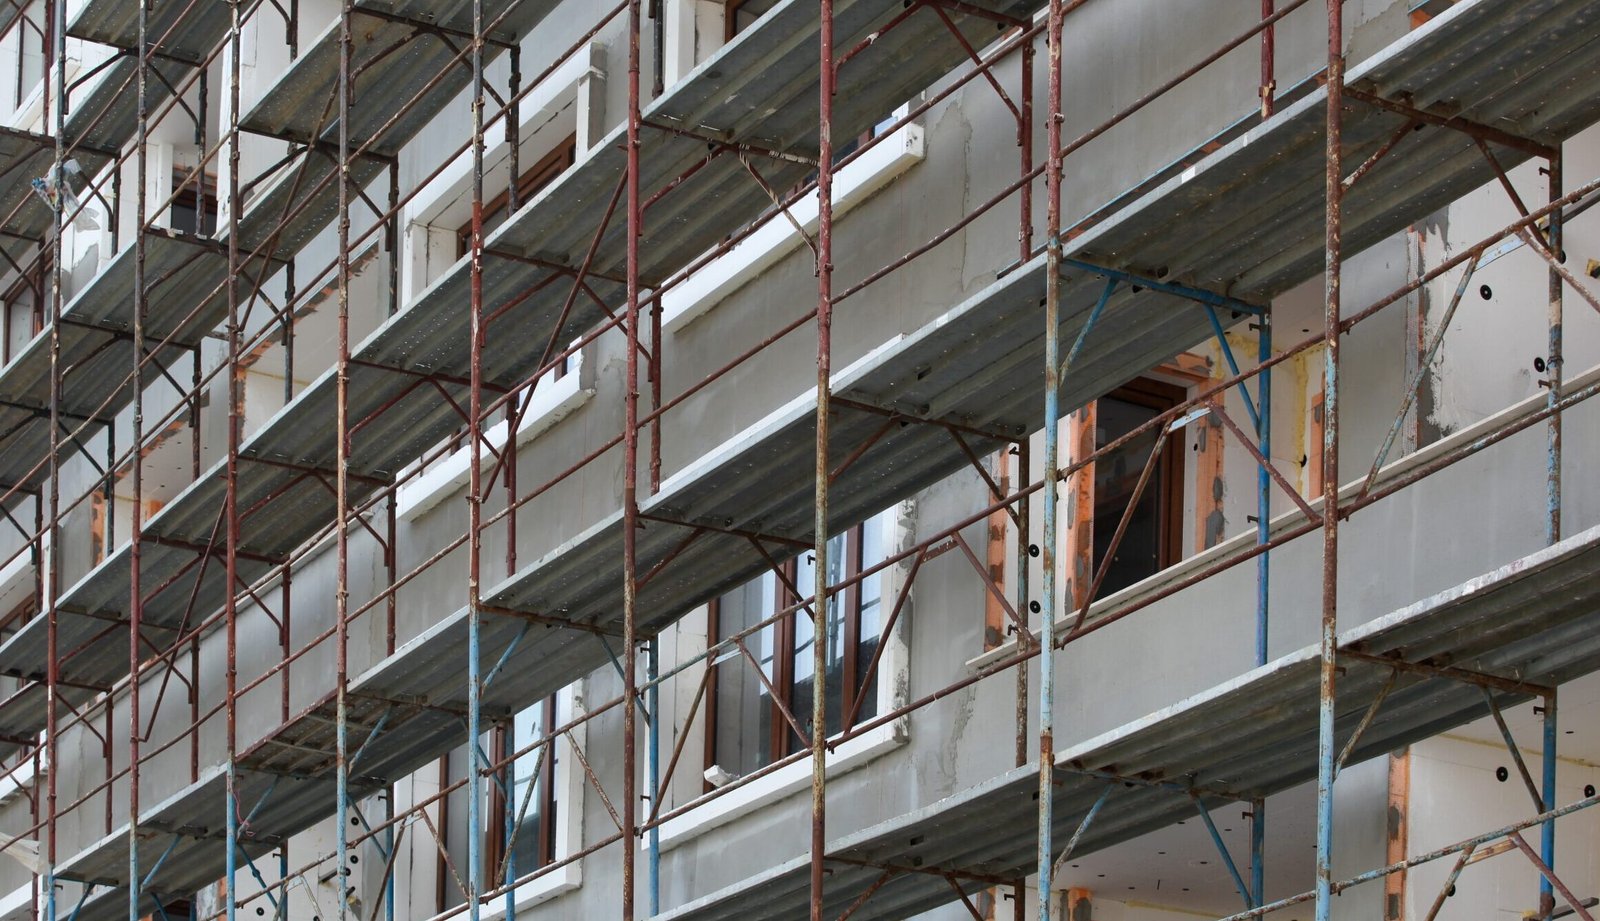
(557, 226)
(1534, 620)
(1244, 219)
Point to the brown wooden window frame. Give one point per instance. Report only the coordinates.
(782, 740)
(1159, 396)
(529, 184)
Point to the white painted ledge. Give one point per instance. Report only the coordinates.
(550, 402)
(787, 781)
(777, 238)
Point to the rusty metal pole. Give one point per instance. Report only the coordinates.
(475, 790)
(630, 483)
(1048, 594)
(819, 606)
(1332, 255)
(235, 395)
(342, 484)
(1269, 82)
(136, 519)
(46, 568)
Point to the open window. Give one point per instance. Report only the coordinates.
(194, 206)
(30, 44)
(1153, 540)
(24, 306)
(738, 15)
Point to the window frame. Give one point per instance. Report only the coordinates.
(1159, 396)
(23, 87)
(535, 178)
(782, 741)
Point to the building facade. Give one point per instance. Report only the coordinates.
(412, 483)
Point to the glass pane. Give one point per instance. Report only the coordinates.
(805, 636)
(1115, 476)
(530, 771)
(874, 546)
(744, 708)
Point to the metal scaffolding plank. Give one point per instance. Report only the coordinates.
(25, 156)
(106, 115)
(1255, 735)
(185, 30)
(393, 61)
(184, 303)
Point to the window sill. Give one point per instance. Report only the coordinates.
(18, 903)
(784, 782)
(550, 403)
(777, 237)
(534, 892)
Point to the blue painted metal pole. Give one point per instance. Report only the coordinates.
(653, 779)
(1052, 460)
(1547, 832)
(1553, 361)
(1332, 256)
(1258, 807)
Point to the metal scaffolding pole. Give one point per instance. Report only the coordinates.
(630, 479)
(1553, 361)
(231, 511)
(46, 575)
(475, 791)
(136, 517)
(819, 604)
(342, 484)
(1328, 639)
(1049, 597)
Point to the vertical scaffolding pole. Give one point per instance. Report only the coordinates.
(1258, 806)
(1048, 589)
(630, 483)
(136, 519)
(474, 492)
(652, 667)
(1553, 361)
(231, 500)
(1332, 256)
(47, 559)
(819, 606)
(342, 486)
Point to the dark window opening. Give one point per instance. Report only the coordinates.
(25, 305)
(739, 15)
(1152, 540)
(193, 211)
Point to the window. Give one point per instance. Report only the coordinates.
(1152, 541)
(534, 844)
(738, 15)
(750, 726)
(33, 51)
(25, 302)
(194, 210)
(540, 175)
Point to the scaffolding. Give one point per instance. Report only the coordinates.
(1332, 164)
